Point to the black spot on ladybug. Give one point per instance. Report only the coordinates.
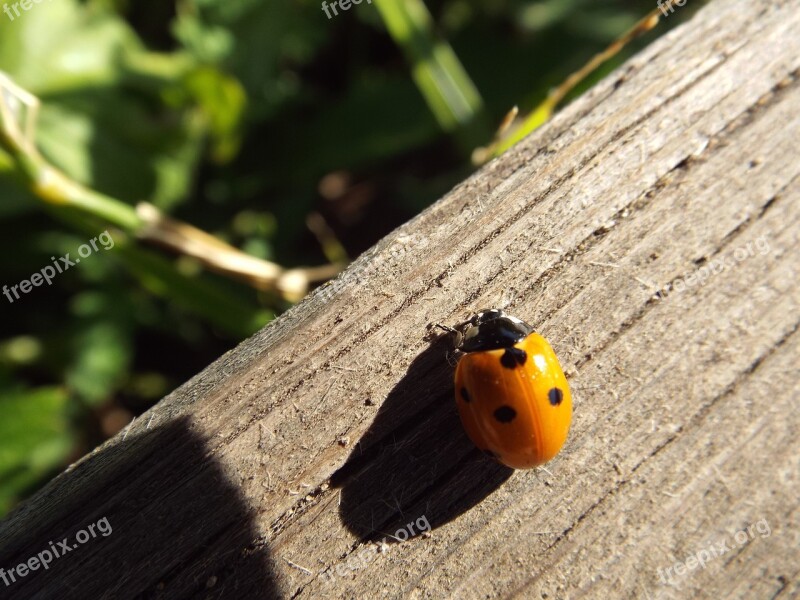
(505, 414)
(513, 357)
(556, 396)
(465, 394)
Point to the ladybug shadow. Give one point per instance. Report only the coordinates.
(415, 469)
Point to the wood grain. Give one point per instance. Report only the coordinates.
(650, 232)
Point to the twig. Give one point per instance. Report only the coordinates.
(507, 136)
(18, 113)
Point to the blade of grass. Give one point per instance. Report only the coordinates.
(542, 113)
(439, 75)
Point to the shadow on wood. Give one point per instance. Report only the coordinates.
(415, 460)
(172, 526)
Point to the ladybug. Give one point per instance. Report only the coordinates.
(511, 393)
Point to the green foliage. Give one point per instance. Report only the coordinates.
(34, 438)
(99, 87)
(242, 117)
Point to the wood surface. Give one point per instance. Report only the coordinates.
(650, 232)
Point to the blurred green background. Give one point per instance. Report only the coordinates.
(294, 137)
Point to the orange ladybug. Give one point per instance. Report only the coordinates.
(511, 393)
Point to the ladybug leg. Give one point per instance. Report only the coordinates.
(447, 328)
(452, 358)
(455, 335)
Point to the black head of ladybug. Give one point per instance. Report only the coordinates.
(489, 330)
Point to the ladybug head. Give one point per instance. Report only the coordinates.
(489, 330)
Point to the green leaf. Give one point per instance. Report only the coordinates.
(260, 42)
(104, 118)
(35, 438)
(101, 349)
(223, 99)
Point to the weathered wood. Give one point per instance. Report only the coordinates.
(271, 471)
